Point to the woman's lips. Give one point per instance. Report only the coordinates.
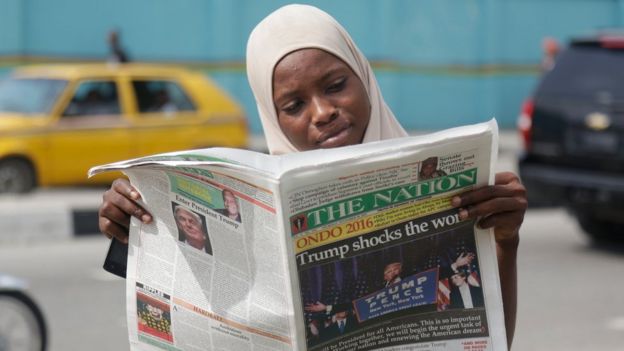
(335, 137)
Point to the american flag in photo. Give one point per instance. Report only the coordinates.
(444, 294)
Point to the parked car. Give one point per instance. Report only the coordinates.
(57, 121)
(573, 133)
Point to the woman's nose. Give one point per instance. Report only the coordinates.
(323, 111)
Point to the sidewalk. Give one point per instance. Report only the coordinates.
(65, 213)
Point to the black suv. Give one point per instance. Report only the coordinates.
(573, 133)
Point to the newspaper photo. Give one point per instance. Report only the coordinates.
(357, 249)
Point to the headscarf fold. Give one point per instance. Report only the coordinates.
(295, 27)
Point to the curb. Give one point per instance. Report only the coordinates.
(49, 214)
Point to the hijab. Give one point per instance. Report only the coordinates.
(295, 27)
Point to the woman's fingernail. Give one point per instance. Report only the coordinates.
(134, 195)
(146, 218)
(456, 201)
(463, 214)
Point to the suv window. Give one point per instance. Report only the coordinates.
(161, 96)
(586, 71)
(94, 98)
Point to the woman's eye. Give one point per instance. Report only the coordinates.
(337, 86)
(292, 107)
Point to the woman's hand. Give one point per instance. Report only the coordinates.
(500, 206)
(119, 203)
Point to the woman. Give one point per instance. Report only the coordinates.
(314, 89)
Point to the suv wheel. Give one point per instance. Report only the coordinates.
(16, 176)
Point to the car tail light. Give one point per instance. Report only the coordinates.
(612, 42)
(525, 123)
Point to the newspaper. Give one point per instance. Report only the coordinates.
(355, 248)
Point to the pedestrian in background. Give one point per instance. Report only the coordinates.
(550, 48)
(117, 53)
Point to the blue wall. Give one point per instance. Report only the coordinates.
(439, 62)
(11, 24)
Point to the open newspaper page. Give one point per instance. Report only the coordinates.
(380, 258)
(356, 248)
(208, 273)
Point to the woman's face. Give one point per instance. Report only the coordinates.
(320, 102)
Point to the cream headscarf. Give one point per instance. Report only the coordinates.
(295, 27)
